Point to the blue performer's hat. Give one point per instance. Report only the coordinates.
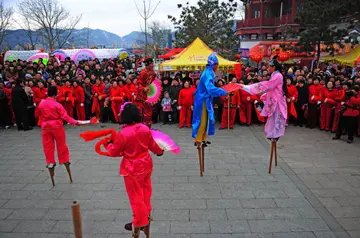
(213, 60)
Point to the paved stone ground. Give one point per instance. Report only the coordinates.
(315, 191)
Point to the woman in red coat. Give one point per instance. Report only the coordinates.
(185, 102)
(131, 90)
(291, 99)
(315, 97)
(98, 91)
(79, 96)
(339, 99)
(69, 102)
(327, 105)
(117, 97)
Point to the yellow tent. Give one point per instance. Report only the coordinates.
(348, 59)
(194, 57)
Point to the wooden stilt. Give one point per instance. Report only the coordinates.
(67, 166)
(200, 157)
(228, 114)
(271, 156)
(275, 151)
(52, 174)
(203, 155)
(76, 219)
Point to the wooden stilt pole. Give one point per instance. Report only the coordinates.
(275, 151)
(75, 207)
(203, 155)
(67, 166)
(52, 174)
(271, 156)
(200, 157)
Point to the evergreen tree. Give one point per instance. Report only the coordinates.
(212, 21)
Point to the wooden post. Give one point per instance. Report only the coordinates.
(228, 114)
(203, 156)
(75, 207)
(273, 154)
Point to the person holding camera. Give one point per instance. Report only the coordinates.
(349, 112)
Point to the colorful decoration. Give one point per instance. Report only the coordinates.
(60, 54)
(165, 142)
(155, 92)
(284, 56)
(231, 87)
(256, 57)
(237, 56)
(11, 58)
(38, 56)
(167, 48)
(137, 51)
(123, 55)
(83, 54)
(42, 50)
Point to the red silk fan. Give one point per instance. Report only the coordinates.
(231, 87)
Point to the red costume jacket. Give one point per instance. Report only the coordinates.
(354, 107)
(131, 91)
(79, 95)
(315, 91)
(186, 97)
(329, 96)
(39, 94)
(235, 99)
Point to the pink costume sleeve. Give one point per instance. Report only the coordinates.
(263, 87)
(153, 146)
(117, 147)
(65, 116)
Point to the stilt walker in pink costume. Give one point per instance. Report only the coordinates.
(51, 115)
(274, 94)
(133, 142)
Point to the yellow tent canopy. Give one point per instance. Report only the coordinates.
(194, 57)
(348, 59)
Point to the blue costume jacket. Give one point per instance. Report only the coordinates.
(205, 92)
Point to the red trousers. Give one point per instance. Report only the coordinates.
(224, 118)
(49, 137)
(325, 116)
(139, 190)
(80, 112)
(336, 117)
(146, 112)
(185, 116)
(247, 107)
(69, 108)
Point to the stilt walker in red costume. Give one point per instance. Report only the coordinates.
(51, 114)
(146, 77)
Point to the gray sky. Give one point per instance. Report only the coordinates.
(116, 16)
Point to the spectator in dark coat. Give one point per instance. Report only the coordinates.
(20, 102)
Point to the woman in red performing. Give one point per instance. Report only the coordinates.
(133, 142)
(186, 100)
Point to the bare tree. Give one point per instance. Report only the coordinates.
(32, 34)
(146, 12)
(5, 20)
(51, 19)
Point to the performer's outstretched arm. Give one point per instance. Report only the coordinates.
(212, 90)
(65, 116)
(263, 87)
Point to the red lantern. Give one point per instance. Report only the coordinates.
(42, 50)
(237, 56)
(284, 56)
(256, 57)
(167, 48)
(159, 49)
(137, 51)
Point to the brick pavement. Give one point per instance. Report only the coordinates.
(315, 191)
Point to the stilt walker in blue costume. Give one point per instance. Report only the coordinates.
(203, 124)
